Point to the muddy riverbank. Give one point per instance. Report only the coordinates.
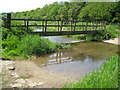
(28, 75)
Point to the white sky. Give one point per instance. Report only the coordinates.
(23, 5)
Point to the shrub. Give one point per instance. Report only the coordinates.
(10, 43)
(34, 45)
(27, 45)
(109, 33)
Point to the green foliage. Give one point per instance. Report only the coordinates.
(34, 45)
(99, 11)
(74, 10)
(110, 32)
(105, 77)
(10, 43)
(63, 46)
(25, 46)
(23, 77)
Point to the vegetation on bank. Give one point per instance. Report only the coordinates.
(110, 32)
(20, 44)
(105, 77)
(105, 11)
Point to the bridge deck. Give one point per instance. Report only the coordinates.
(58, 33)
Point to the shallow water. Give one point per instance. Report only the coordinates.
(62, 39)
(80, 59)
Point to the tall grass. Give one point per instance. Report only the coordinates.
(105, 77)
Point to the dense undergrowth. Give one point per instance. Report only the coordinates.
(21, 44)
(105, 77)
(110, 32)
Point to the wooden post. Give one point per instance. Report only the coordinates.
(82, 25)
(91, 27)
(58, 25)
(27, 24)
(86, 25)
(71, 25)
(61, 25)
(96, 25)
(74, 25)
(43, 25)
(105, 25)
(8, 23)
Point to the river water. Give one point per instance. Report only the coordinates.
(82, 58)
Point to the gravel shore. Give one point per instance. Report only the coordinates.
(113, 41)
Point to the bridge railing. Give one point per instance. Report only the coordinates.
(72, 24)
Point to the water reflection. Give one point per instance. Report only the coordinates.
(82, 58)
(62, 39)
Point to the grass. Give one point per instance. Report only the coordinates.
(105, 77)
(23, 77)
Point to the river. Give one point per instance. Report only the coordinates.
(82, 58)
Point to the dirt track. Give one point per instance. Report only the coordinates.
(36, 75)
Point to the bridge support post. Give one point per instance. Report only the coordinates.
(27, 23)
(105, 25)
(8, 21)
(43, 25)
(61, 26)
(86, 25)
(58, 25)
(71, 25)
(74, 25)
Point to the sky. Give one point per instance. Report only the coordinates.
(23, 5)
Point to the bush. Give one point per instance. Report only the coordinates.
(14, 31)
(34, 45)
(109, 33)
(10, 43)
(28, 45)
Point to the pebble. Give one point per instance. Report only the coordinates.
(11, 68)
(16, 85)
(21, 81)
(32, 84)
(15, 75)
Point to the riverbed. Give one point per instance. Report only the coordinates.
(79, 60)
